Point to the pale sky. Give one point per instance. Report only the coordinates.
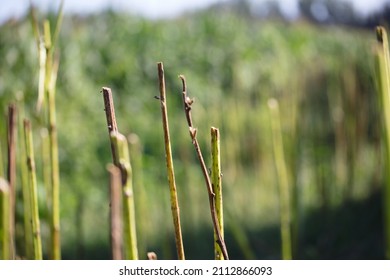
(155, 8)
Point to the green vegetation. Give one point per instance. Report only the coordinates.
(330, 121)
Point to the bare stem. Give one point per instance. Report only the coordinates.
(169, 162)
(55, 172)
(217, 187)
(121, 159)
(187, 102)
(24, 180)
(129, 223)
(115, 212)
(36, 235)
(110, 116)
(1, 161)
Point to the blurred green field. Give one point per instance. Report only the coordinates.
(323, 78)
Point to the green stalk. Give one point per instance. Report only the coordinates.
(35, 225)
(129, 225)
(383, 68)
(42, 75)
(48, 69)
(115, 212)
(281, 169)
(51, 77)
(169, 162)
(25, 191)
(187, 103)
(217, 188)
(46, 171)
(45, 153)
(5, 219)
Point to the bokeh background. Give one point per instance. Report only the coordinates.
(317, 61)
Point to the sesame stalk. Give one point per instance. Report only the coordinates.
(32, 179)
(216, 182)
(187, 103)
(129, 224)
(28, 237)
(115, 212)
(169, 162)
(121, 159)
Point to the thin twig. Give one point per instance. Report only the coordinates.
(187, 102)
(169, 162)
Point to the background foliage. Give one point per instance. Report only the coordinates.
(322, 77)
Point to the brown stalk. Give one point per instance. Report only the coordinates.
(111, 120)
(187, 102)
(11, 172)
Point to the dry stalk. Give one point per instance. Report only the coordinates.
(110, 116)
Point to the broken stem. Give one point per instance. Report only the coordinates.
(121, 159)
(128, 222)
